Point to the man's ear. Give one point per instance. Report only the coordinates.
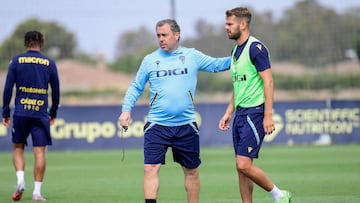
(243, 24)
(177, 36)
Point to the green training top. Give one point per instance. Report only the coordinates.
(248, 85)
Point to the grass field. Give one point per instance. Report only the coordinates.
(329, 174)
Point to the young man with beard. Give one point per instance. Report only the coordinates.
(252, 101)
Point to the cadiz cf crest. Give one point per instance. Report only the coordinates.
(259, 47)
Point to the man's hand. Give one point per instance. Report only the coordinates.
(224, 123)
(269, 125)
(124, 119)
(6, 122)
(52, 121)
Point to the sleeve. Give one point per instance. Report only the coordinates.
(8, 89)
(136, 87)
(260, 56)
(55, 91)
(211, 64)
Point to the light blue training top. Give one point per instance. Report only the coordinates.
(172, 83)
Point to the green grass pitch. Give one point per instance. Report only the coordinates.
(326, 174)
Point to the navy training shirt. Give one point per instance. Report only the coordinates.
(31, 73)
(260, 58)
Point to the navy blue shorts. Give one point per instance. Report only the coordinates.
(248, 134)
(39, 128)
(184, 141)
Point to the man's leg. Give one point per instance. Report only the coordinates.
(18, 158)
(39, 171)
(19, 165)
(151, 181)
(246, 188)
(192, 184)
(245, 166)
(258, 176)
(40, 163)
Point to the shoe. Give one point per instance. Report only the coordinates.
(38, 198)
(287, 197)
(18, 192)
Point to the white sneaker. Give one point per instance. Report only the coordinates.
(38, 198)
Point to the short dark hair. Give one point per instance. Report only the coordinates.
(240, 12)
(33, 39)
(173, 24)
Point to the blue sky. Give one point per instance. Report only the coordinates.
(98, 24)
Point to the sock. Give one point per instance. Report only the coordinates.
(150, 200)
(20, 176)
(37, 188)
(276, 193)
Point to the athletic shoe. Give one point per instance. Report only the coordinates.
(38, 198)
(18, 192)
(287, 197)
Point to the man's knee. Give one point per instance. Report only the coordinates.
(191, 172)
(243, 164)
(151, 169)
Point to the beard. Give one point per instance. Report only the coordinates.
(235, 36)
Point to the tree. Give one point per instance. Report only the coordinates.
(313, 35)
(263, 28)
(211, 40)
(132, 46)
(357, 41)
(59, 43)
(129, 63)
(352, 16)
(132, 41)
